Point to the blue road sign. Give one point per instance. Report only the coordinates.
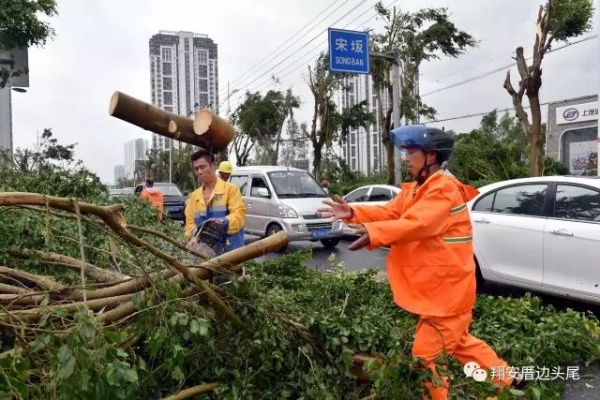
(348, 51)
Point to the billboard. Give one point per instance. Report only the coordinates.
(583, 158)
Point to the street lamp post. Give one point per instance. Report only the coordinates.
(229, 94)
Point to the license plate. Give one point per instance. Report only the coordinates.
(172, 209)
(321, 233)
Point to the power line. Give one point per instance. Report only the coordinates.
(503, 68)
(307, 43)
(299, 64)
(290, 38)
(479, 114)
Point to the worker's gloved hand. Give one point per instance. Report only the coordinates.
(363, 240)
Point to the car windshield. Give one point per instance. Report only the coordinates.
(169, 190)
(295, 184)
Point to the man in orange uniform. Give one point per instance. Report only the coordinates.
(154, 196)
(430, 267)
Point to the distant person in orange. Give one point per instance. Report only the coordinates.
(325, 185)
(154, 196)
(430, 267)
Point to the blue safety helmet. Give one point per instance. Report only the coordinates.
(424, 138)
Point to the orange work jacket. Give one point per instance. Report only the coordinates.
(430, 267)
(156, 198)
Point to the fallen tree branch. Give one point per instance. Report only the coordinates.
(94, 305)
(186, 393)
(43, 282)
(113, 217)
(10, 289)
(227, 260)
(168, 239)
(92, 271)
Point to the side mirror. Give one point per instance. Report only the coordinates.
(262, 192)
(185, 193)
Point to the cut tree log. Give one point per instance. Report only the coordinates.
(214, 133)
(221, 132)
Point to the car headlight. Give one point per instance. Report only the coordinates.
(286, 211)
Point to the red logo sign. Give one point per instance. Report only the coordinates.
(571, 114)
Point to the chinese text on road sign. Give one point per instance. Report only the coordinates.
(348, 51)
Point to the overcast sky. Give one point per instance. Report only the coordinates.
(102, 46)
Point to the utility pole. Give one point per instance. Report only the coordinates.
(394, 58)
(170, 160)
(396, 102)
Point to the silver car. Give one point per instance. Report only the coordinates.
(284, 198)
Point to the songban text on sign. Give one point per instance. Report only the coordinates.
(348, 51)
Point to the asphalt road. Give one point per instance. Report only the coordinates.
(587, 388)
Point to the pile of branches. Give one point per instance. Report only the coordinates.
(99, 300)
(50, 229)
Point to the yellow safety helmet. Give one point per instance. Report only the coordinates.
(225, 167)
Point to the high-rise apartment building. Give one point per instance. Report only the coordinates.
(184, 75)
(119, 173)
(363, 150)
(136, 149)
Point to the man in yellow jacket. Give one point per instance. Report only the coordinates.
(215, 199)
(430, 267)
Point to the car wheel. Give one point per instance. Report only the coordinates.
(330, 243)
(273, 229)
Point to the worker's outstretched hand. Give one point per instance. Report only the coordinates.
(338, 209)
(363, 240)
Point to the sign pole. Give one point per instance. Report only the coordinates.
(396, 102)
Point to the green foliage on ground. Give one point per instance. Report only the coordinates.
(304, 325)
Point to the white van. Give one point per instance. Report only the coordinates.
(285, 198)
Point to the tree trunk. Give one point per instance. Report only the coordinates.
(208, 130)
(389, 151)
(536, 143)
(318, 158)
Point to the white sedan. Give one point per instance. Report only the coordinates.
(541, 234)
(370, 195)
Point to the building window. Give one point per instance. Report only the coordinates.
(203, 57)
(167, 68)
(166, 54)
(168, 98)
(353, 163)
(203, 85)
(353, 152)
(202, 71)
(167, 84)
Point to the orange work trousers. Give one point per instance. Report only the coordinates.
(450, 336)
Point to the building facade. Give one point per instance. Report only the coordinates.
(363, 150)
(119, 173)
(572, 134)
(184, 75)
(6, 135)
(135, 150)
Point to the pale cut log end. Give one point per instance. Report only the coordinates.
(174, 130)
(114, 100)
(202, 122)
